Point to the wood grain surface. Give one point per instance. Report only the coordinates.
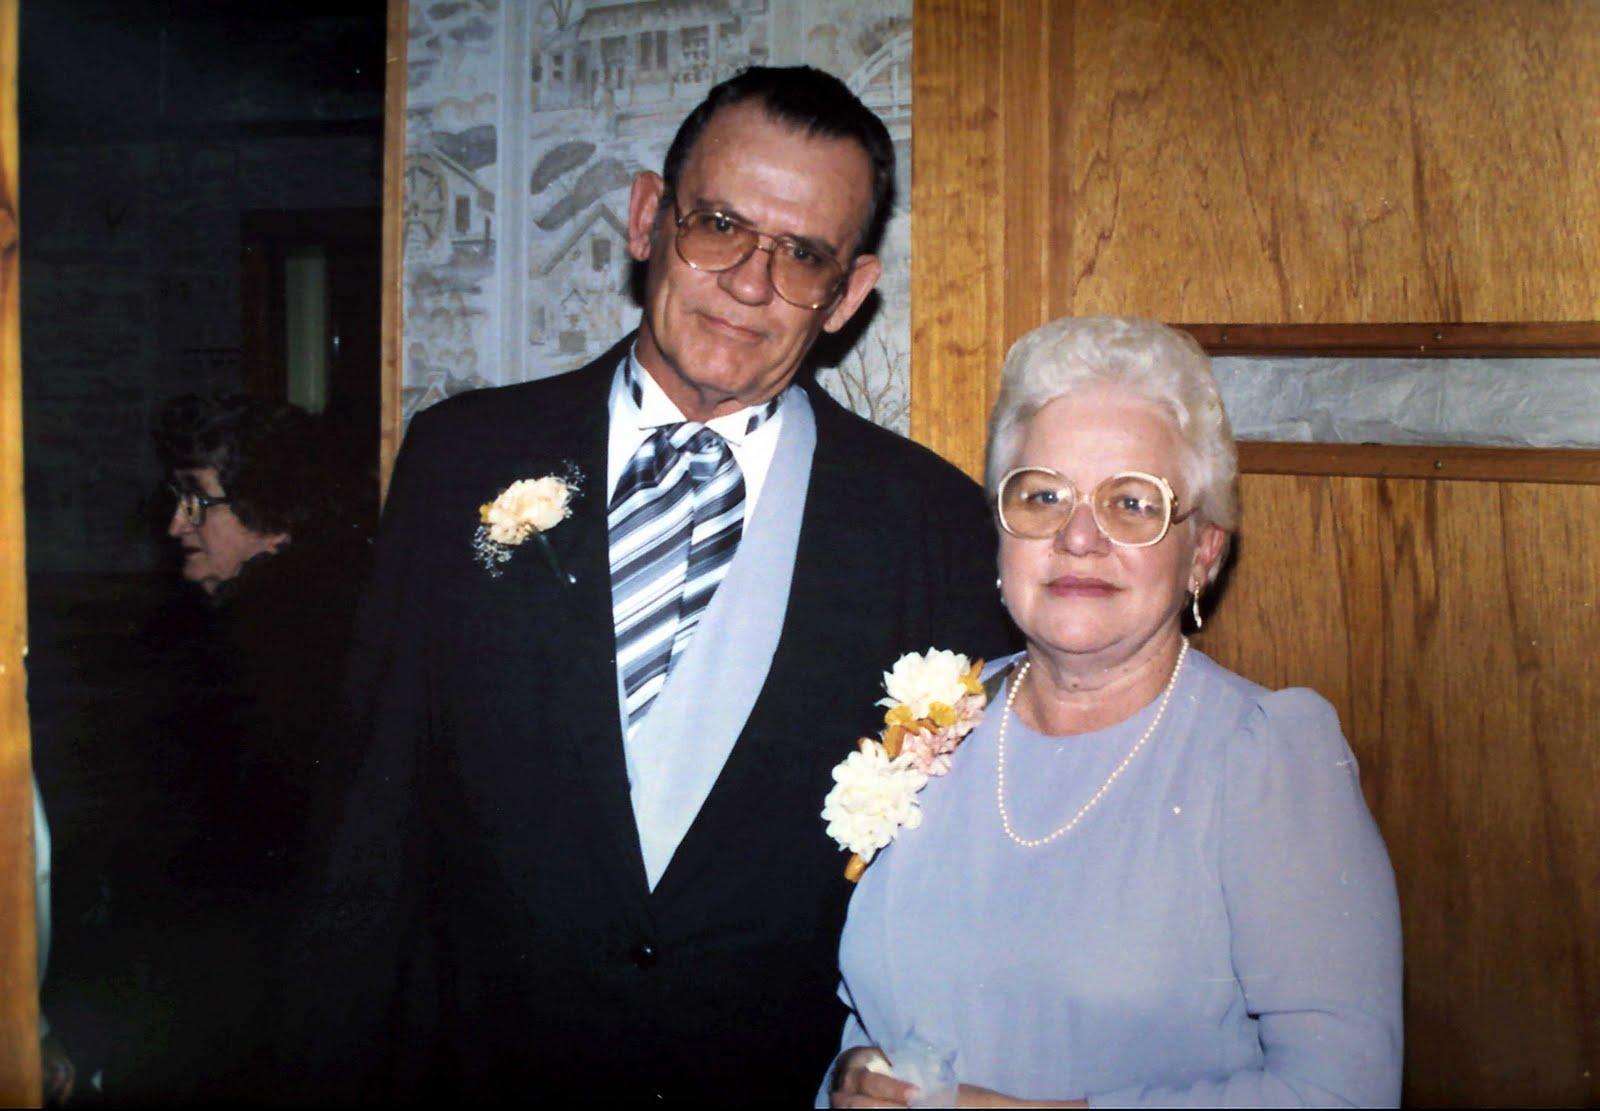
(1335, 163)
(1454, 625)
(1335, 160)
(956, 181)
(392, 313)
(19, 987)
(1332, 162)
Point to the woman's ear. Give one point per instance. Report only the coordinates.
(1208, 549)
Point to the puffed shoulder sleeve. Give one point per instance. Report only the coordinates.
(1311, 898)
(1315, 924)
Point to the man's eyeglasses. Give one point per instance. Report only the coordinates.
(802, 273)
(192, 505)
(1132, 509)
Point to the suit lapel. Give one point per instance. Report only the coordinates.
(824, 529)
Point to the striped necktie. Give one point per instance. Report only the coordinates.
(675, 522)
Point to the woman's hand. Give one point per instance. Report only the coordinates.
(861, 1079)
(59, 1075)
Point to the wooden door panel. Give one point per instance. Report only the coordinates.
(1453, 625)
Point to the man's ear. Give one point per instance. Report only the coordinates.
(644, 204)
(864, 274)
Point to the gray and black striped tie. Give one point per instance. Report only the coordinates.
(674, 522)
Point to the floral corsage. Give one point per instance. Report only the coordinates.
(527, 508)
(934, 700)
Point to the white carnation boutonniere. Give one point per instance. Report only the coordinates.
(934, 700)
(527, 509)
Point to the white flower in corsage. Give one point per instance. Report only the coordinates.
(934, 701)
(529, 507)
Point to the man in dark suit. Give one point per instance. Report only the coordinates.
(584, 858)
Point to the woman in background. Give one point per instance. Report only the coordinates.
(1145, 881)
(227, 739)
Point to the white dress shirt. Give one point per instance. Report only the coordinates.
(632, 424)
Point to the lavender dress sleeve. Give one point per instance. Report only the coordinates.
(1315, 921)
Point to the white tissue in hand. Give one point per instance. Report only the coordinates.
(929, 1066)
(880, 1066)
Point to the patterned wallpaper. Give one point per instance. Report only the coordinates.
(526, 122)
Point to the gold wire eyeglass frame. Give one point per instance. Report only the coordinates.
(1080, 497)
(835, 283)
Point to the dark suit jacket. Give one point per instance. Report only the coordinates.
(490, 930)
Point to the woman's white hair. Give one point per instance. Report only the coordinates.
(1150, 361)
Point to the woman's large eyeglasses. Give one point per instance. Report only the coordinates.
(192, 505)
(1132, 509)
(802, 273)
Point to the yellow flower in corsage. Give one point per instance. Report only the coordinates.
(934, 700)
(529, 507)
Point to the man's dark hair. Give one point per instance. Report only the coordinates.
(813, 102)
(270, 457)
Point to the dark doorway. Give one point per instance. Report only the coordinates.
(308, 283)
(179, 159)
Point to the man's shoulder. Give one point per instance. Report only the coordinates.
(870, 449)
(557, 398)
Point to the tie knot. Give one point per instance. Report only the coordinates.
(707, 454)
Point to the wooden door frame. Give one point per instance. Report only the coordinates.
(19, 983)
(392, 321)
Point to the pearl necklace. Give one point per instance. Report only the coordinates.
(1000, 778)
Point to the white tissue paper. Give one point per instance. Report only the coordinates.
(929, 1065)
(1544, 403)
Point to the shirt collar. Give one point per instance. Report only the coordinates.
(647, 405)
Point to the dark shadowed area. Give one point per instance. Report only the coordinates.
(186, 164)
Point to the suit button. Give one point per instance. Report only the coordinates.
(644, 955)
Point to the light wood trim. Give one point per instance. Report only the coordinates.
(392, 319)
(1576, 339)
(19, 987)
(1476, 464)
(956, 171)
(1028, 132)
(990, 232)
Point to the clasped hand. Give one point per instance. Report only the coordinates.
(861, 1079)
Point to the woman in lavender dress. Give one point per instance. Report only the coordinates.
(1145, 881)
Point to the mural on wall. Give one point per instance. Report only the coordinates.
(452, 116)
(552, 107)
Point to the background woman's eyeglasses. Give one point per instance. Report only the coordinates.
(802, 273)
(1133, 509)
(192, 505)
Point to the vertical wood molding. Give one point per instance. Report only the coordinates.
(958, 218)
(392, 320)
(19, 987)
(992, 102)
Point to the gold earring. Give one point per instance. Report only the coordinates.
(1194, 595)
